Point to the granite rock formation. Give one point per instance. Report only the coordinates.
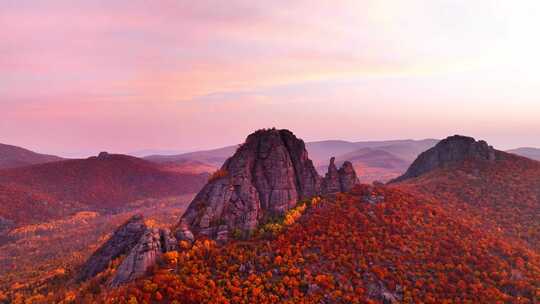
(120, 243)
(266, 176)
(342, 180)
(451, 150)
(347, 177)
(149, 248)
(331, 182)
(142, 244)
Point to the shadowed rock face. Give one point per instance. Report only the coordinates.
(347, 177)
(266, 176)
(449, 151)
(142, 245)
(331, 183)
(121, 242)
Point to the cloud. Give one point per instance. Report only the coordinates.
(138, 66)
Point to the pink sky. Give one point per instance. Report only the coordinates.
(83, 76)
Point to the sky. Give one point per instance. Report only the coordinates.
(78, 77)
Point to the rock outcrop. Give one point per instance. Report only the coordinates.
(149, 248)
(120, 243)
(451, 150)
(331, 182)
(142, 245)
(347, 177)
(266, 176)
(342, 180)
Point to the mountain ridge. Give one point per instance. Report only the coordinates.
(103, 182)
(453, 149)
(14, 157)
(529, 152)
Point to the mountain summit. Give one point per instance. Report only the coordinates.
(266, 176)
(453, 149)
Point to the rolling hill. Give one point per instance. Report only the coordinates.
(532, 153)
(501, 196)
(13, 157)
(106, 182)
(374, 245)
(214, 157)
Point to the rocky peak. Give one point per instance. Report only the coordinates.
(123, 239)
(347, 177)
(144, 255)
(331, 182)
(103, 155)
(342, 180)
(141, 244)
(266, 176)
(451, 150)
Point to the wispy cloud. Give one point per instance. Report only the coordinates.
(180, 68)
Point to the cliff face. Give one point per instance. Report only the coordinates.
(266, 176)
(449, 151)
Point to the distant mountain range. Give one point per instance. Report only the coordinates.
(53, 186)
(12, 157)
(107, 182)
(532, 153)
(373, 160)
